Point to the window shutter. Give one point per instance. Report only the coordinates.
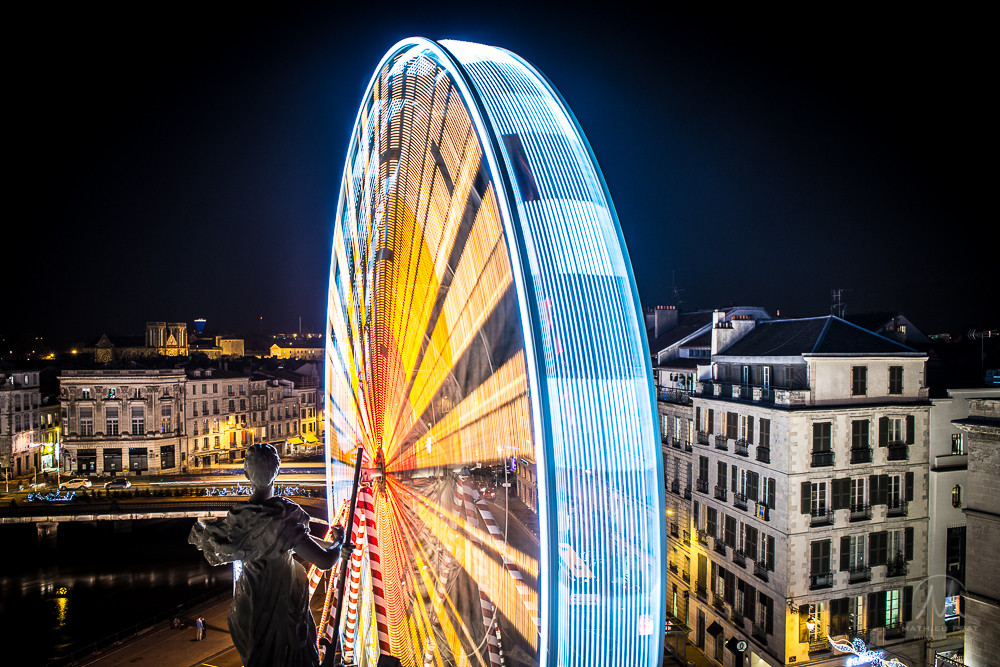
(769, 616)
(876, 549)
(770, 553)
(770, 493)
(750, 430)
(883, 489)
(845, 553)
(911, 427)
(907, 604)
(874, 620)
(750, 602)
(909, 486)
(838, 616)
(873, 489)
(883, 431)
(806, 498)
(908, 543)
(733, 481)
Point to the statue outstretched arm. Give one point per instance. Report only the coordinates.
(317, 552)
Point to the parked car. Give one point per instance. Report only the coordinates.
(119, 483)
(75, 483)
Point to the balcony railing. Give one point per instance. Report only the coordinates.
(742, 448)
(740, 558)
(686, 575)
(898, 452)
(675, 530)
(673, 395)
(859, 573)
(821, 517)
(687, 493)
(759, 633)
(895, 630)
(822, 459)
(687, 446)
(664, 438)
(701, 485)
(702, 537)
(737, 618)
(722, 442)
(861, 455)
(897, 567)
(719, 603)
(675, 443)
(820, 580)
(763, 454)
(721, 493)
(675, 486)
(704, 438)
(895, 507)
(740, 500)
(760, 571)
(719, 546)
(672, 567)
(861, 512)
(701, 591)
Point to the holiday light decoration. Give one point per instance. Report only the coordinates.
(485, 348)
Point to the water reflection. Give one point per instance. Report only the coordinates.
(97, 579)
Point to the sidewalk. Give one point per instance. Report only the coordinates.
(695, 656)
(162, 645)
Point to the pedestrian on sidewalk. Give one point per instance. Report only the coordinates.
(199, 629)
(204, 626)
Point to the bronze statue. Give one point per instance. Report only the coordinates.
(270, 620)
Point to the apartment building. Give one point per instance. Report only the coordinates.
(796, 470)
(116, 420)
(217, 416)
(20, 421)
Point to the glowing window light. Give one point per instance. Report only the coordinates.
(472, 219)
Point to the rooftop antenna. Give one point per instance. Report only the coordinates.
(675, 290)
(837, 305)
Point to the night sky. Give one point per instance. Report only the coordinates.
(181, 161)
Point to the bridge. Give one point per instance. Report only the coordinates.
(114, 510)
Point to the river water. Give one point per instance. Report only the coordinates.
(93, 580)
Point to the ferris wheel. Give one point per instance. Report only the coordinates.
(485, 349)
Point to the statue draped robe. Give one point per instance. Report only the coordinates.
(270, 620)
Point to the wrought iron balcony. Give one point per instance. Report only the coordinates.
(704, 438)
(719, 546)
(722, 442)
(861, 455)
(742, 448)
(861, 512)
(719, 603)
(821, 517)
(701, 485)
(740, 500)
(675, 486)
(895, 630)
(740, 558)
(820, 580)
(702, 537)
(686, 575)
(675, 530)
(760, 571)
(897, 567)
(721, 493)
(898, 452)
(672, 567)
(675, 443)
(895, 507)
(701, 591)
(673, 395)
(736, 616)
(759, 633)
(763, 454)
(664, 438)
(687, 493)
(687, 446)
(822, 459)
(859, 573)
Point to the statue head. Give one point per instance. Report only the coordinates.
(261, 465)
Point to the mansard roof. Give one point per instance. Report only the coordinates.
(812, 335)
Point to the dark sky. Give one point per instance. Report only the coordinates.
(179, 161)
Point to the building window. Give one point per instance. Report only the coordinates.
(731, 428)
(857, 494)
(856, 552)
(859, 380)
(85, 393)
(167, 456)
(957, 445)
(956, 496)
(86, 420)
(895, 429)
(893, 608)
(215, 441)
(822, 445)
(860, 434)
(111, 420)
(817, 499)
(819, 565)
(138, 420)
(895, 379)
(166, 419)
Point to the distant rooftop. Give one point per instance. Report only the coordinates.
(812, 335)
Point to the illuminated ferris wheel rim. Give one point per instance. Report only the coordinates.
(529, 308)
